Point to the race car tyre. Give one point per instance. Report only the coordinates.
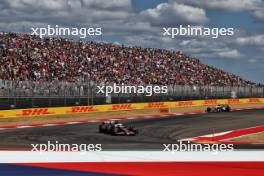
(114, 131)
(208, 109)
(102, 129)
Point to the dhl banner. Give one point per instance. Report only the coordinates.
(121, 107)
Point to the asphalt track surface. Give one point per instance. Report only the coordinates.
(153, 133)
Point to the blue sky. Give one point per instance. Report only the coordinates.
(140, 22)
(236, 19)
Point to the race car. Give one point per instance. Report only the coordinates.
(117, 129)
(219, 108)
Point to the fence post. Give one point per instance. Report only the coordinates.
(64, 87)
(88, 92)
(92, 95)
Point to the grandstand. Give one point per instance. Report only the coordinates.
(56, 67)
(30, 58)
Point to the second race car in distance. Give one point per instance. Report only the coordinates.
(219, 108)
(117, 129)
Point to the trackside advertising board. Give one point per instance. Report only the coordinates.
(121, 107)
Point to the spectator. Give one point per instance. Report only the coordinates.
(29, 58)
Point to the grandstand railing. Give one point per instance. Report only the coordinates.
(23, 94)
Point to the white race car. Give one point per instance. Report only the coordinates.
(117, 129)
(219, 108)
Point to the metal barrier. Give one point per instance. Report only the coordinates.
(26, 94)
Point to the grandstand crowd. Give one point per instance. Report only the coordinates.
(26, 57)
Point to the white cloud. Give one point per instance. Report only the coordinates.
(252, 61)
(37, 5)
(254, 7)
(173, 14)
(259, 14)
(233, 54)
(256, 40)
(65, 11)
(232, 5)
(122, 5)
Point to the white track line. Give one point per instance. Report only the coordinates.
(70, 123)
(26, 126)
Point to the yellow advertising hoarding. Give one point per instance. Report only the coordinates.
(121, 107)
